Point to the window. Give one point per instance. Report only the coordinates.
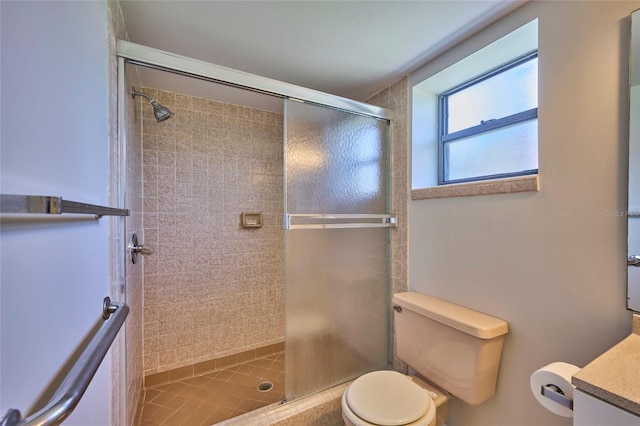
(488, 126)
(486, 88)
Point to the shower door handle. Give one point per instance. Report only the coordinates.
(633, 260)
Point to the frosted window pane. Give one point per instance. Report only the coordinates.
(502, 95)
(508, 150)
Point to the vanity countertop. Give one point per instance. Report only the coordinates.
(613, 376)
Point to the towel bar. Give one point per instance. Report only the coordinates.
(44, 204)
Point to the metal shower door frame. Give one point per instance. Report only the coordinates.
(177, 64)
(148, 57)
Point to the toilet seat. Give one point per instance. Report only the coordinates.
(388, 398)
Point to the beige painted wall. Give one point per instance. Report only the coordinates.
(551, 263)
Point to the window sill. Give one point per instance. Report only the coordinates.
(497, 186)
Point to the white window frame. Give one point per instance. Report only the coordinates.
(444, 137)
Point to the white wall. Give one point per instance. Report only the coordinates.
(551, 263)
(54, 273)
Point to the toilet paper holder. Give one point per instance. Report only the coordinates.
(556, 394)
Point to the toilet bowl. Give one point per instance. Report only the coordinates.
(453, 347)
(391, 398)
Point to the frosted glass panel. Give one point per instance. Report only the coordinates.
(336, 161)
(506, 150)
(502, 95)
(337, 307)
(337, 280)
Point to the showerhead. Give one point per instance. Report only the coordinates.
(160, 112)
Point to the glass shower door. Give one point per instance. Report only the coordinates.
(337, 266)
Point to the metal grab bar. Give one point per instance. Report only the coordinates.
(322, 221)
(44, 204)
(71, 388)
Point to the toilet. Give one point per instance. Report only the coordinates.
(455, 352)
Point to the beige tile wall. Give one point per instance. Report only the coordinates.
(211, 288)
(130, 342)
(396, 98)
(114, 30)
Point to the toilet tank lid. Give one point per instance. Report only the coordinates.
(463, 319)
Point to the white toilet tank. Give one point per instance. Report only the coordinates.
(456, 348)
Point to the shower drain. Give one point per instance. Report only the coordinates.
(265, 386)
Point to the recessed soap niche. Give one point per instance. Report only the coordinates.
(251, 220)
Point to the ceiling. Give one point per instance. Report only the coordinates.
(347, 48)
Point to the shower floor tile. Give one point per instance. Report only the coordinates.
(211, 398)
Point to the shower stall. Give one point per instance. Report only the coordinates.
(309, 274)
